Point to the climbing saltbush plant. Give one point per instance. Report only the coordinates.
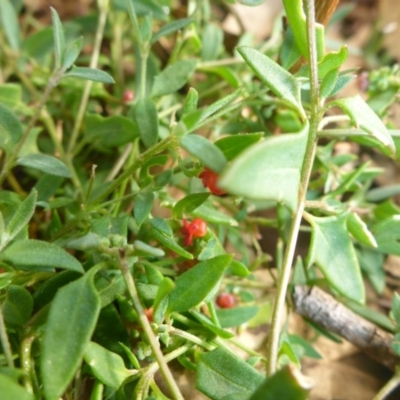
(134, 186)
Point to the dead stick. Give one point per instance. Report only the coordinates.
(323, 309)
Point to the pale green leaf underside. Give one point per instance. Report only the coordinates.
(333, 252)
(45, 163)
(268, 170)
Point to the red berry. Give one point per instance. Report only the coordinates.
(195, 229)
(128, 96)
(210, 181)
(149, 314)
(226, 300)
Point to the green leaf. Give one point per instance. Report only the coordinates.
(359, 229)
(309, 350)
(280, 81)
(10, 390)
(165, 287)
(72, 54)
(10, 123)
(288, 384)
(395, 311)
(209, 154)
(72, 318)
(17, 306)
(189, 203)
(289, 53)
(238, 269)
(107, 367)
(251, 2)
(223, 376)
(58, 36)
(112, 131)
(387, 235)
(45, 163)
(21, 218)
(371, 263)
(172, 78)
(268, 170)
(331, 249)
(328, 83)
(363, 117)
(213, 42)
(206, 322)
(143, 205)
(36, 255)
(9, 21)
(147, 121)
(232, 317)
(10, 94)
(194, 285)
(213, 215)
(171, 27)
(190, 101)
(90, 74)
(233, 145)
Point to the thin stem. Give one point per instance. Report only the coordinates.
(144, 322)
(26, 362)
(5, 343)
(284, 277)
(191, 338)
(88, 85)
(389, 387)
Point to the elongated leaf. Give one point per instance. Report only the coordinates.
(231, 317)
(205, 321)
(193, 286)
(363, 117)
(17, 306)
(171, 27)
(72, 54)
(288, 384)
(189, 203)
(358, 228)
(268, 170)
(331, 249)
(233, 145)
(9, 21)
(213, 215)
(173, 77)
(143, 205)
(89, 74)
(205, 151)
(10, 390)
(223, 376)
(387, 235)
(45, 163)
(107, 367)
(10, 123)
(147, 121)
(36, 255)
(170, 243)
(58, 36)
(281, 82)
(21, 217)
(70, 325)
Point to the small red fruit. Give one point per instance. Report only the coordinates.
(226, 300)
(195, 229)
(128, 96)
(210, 181)
(149, 314)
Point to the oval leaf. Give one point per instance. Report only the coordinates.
(89, 74)
(269, 170)
(36, 255)
(189, 203)
(45, 163)
(363, 117)
(58, 37)
(107, 367)
(280, 81)
(171, 27)
(12, 125)
(146, 117)
(12, 391)
(173, 77)
(72, 318)
(233, 145)
(209, 154)
(193, 286)
(332, 251)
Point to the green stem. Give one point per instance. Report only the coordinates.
(389, 387)
(5, 343)
(191, 338)
(53, 81)
(170, 141)
(284, 277)
(93, 64)
(26, 362)
(144, 322)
